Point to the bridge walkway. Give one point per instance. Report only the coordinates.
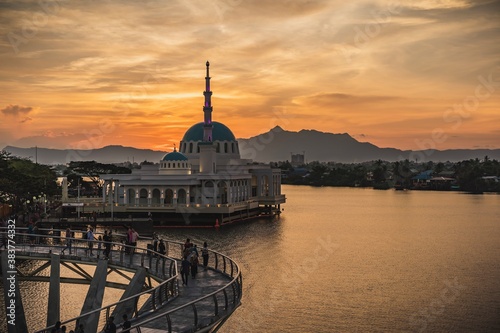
(164, 305)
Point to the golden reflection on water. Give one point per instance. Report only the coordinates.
(351, 259)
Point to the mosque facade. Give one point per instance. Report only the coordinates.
(205, 181)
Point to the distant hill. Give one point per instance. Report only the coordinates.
(108, 154)
(277, 145)
(272, 146)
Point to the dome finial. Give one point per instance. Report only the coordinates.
(208, 64)
(175, 148)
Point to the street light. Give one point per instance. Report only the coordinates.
(78, 198)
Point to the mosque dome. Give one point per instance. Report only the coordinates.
(174, 156)
(220, 132)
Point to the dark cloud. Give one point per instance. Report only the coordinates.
(15, 110)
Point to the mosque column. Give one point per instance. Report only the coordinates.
(270, 190)
(149, 196)
(104, 191)
(203, 200)
(137, 196)
(162, 197)
(230, 193)
(110, 192)
(259, 185)
(174, 197)
(117, 189)
(188, 196)
(216, 192)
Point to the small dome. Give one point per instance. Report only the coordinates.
(220, 132)
(174, 156)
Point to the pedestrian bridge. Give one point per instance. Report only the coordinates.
(152, 296)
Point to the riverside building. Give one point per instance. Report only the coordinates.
(205, 182)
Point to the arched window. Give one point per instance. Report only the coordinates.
(225, 147)
(232, 148)
(190, 147)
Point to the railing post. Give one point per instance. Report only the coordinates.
(216, 305)
(226, 306)
(195, 311)
(169, 323)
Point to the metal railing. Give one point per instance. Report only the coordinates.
(221, 302)
(159, 266)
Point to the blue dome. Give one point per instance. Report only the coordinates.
(174, 156)
(220, 132)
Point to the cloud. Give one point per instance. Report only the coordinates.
(16, 110)
(26, 119)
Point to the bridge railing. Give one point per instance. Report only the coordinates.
(39, 244)
(221, 302)
(161, 267)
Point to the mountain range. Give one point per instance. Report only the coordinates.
(272, 146)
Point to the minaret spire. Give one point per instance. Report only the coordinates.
(207, 108)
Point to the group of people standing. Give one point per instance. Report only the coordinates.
(190, 261)
(89, 235)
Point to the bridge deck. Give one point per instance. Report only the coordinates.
(188, 311)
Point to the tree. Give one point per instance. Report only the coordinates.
(92, 170)
(21, 180)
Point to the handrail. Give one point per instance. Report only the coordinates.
(234, 288)
(168, 284)
(237, 280)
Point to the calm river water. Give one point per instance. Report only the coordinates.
(361, 260)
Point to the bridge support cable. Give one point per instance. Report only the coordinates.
(94, 297)
(135, 287)
(54, 305)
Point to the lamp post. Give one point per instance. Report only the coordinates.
(78, 199)
(111, 197)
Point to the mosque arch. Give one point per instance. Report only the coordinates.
(131, 196)
(181, 196)
(254, 185)
(222, 192)
(265, 185)
(156, 200)
(169, 197)
(143, 197)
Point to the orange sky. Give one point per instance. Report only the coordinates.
(403, 74)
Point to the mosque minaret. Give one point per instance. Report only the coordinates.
(206, 180)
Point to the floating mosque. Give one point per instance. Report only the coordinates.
(205, 181)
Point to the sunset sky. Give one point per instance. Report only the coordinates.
(405, 74)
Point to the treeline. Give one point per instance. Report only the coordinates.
(24, 182)
(474, 175)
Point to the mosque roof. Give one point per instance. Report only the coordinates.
(174, 156)
(220, 132)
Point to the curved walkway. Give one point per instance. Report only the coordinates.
(202, 306)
